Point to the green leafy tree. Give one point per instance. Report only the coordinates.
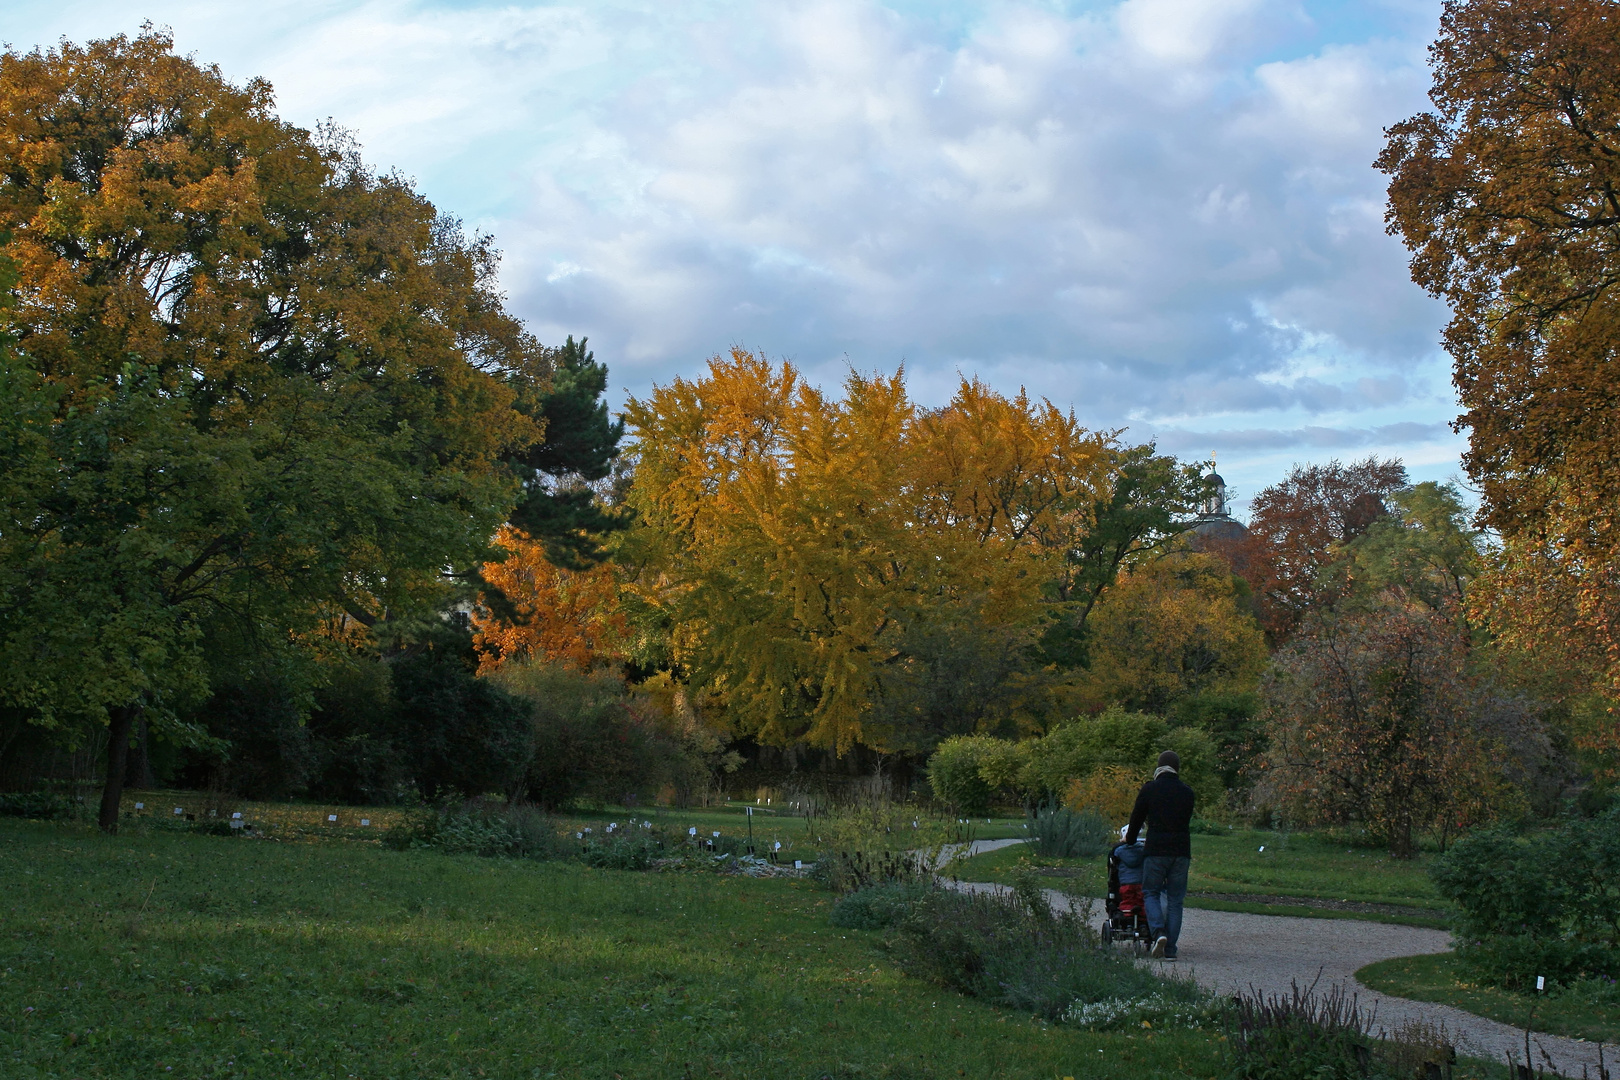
(258, 384)
(1151, 503)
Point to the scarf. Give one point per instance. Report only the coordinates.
(1162, 769)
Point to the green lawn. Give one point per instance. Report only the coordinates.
(1441, 978)
(164, 954)
(1233, 867)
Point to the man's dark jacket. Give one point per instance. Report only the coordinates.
(1166, 805)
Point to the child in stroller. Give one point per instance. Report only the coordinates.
(1127, 914)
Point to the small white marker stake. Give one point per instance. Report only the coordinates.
(692, 831)
(237, 814)
(331, 817)
(1541, 982)
(1262, 847)
(365, 821)
(179, 810)
(797, 865)
(140, 806)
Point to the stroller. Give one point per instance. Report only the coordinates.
(1125, 908)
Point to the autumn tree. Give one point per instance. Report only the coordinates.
(1374, 718)
(1296, 526)
(266, 384)
(555, 613)
(1151, 504)
(801, 541)
(1505, 192)
(1169, 628)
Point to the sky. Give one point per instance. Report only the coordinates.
(1161, 214)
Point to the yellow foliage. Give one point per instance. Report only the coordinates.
(1110, 790)
(797, 536)
(1170, 627)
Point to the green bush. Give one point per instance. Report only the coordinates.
(461, 735)
(43, 805)
(878, 907)
(1544, 905)
(1016, 952)
(958, 769)
(589, 744)
(477, 827)
(1058, 832)
(628, 849)
(1081, 746)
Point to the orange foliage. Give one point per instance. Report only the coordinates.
(567, 615)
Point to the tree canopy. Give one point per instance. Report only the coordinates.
(252, 381)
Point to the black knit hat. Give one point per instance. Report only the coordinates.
(1170, 758)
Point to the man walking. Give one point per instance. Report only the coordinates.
(1165, 804)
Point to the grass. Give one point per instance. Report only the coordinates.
(168, 954)
(1442, 978)
(1292, 865)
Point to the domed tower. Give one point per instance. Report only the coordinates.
(1215, 522)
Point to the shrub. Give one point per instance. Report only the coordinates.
(461, 734)
(1302, 1034)
(590, 745)
(44, 805)
(851, 871)
(1059, 832)
(1017, 952)
(1110, 791)
(1548, 905)
(956, 771)
(878, 907)
(632, 849)
(477, 827)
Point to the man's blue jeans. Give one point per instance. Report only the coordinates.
(1164, 888)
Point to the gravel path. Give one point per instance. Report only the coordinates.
(1230, 950)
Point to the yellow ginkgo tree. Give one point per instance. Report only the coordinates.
(796, 542)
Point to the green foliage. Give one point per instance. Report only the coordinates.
(589, 743)
(1425, 547)
(1545, 905)
(557, 505)
(973, 772)
(878, 907)
(628, 849)
(461, 734)
(1059, 832)
(968, 772)
(481, 827)
(41, 805)
(1018, 953)
(1233, 721)
(1152, 498)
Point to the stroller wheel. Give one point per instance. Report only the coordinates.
(1108, 933)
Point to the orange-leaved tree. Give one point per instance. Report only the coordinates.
(1505, 192)
(802, 541)
(553, 612)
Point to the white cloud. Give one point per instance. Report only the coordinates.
(1160, 211)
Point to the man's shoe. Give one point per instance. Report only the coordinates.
(1159, 946)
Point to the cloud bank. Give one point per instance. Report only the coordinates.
(1159, 212)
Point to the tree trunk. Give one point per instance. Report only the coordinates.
(119, 723)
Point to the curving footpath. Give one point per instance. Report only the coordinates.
(1226, 951)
